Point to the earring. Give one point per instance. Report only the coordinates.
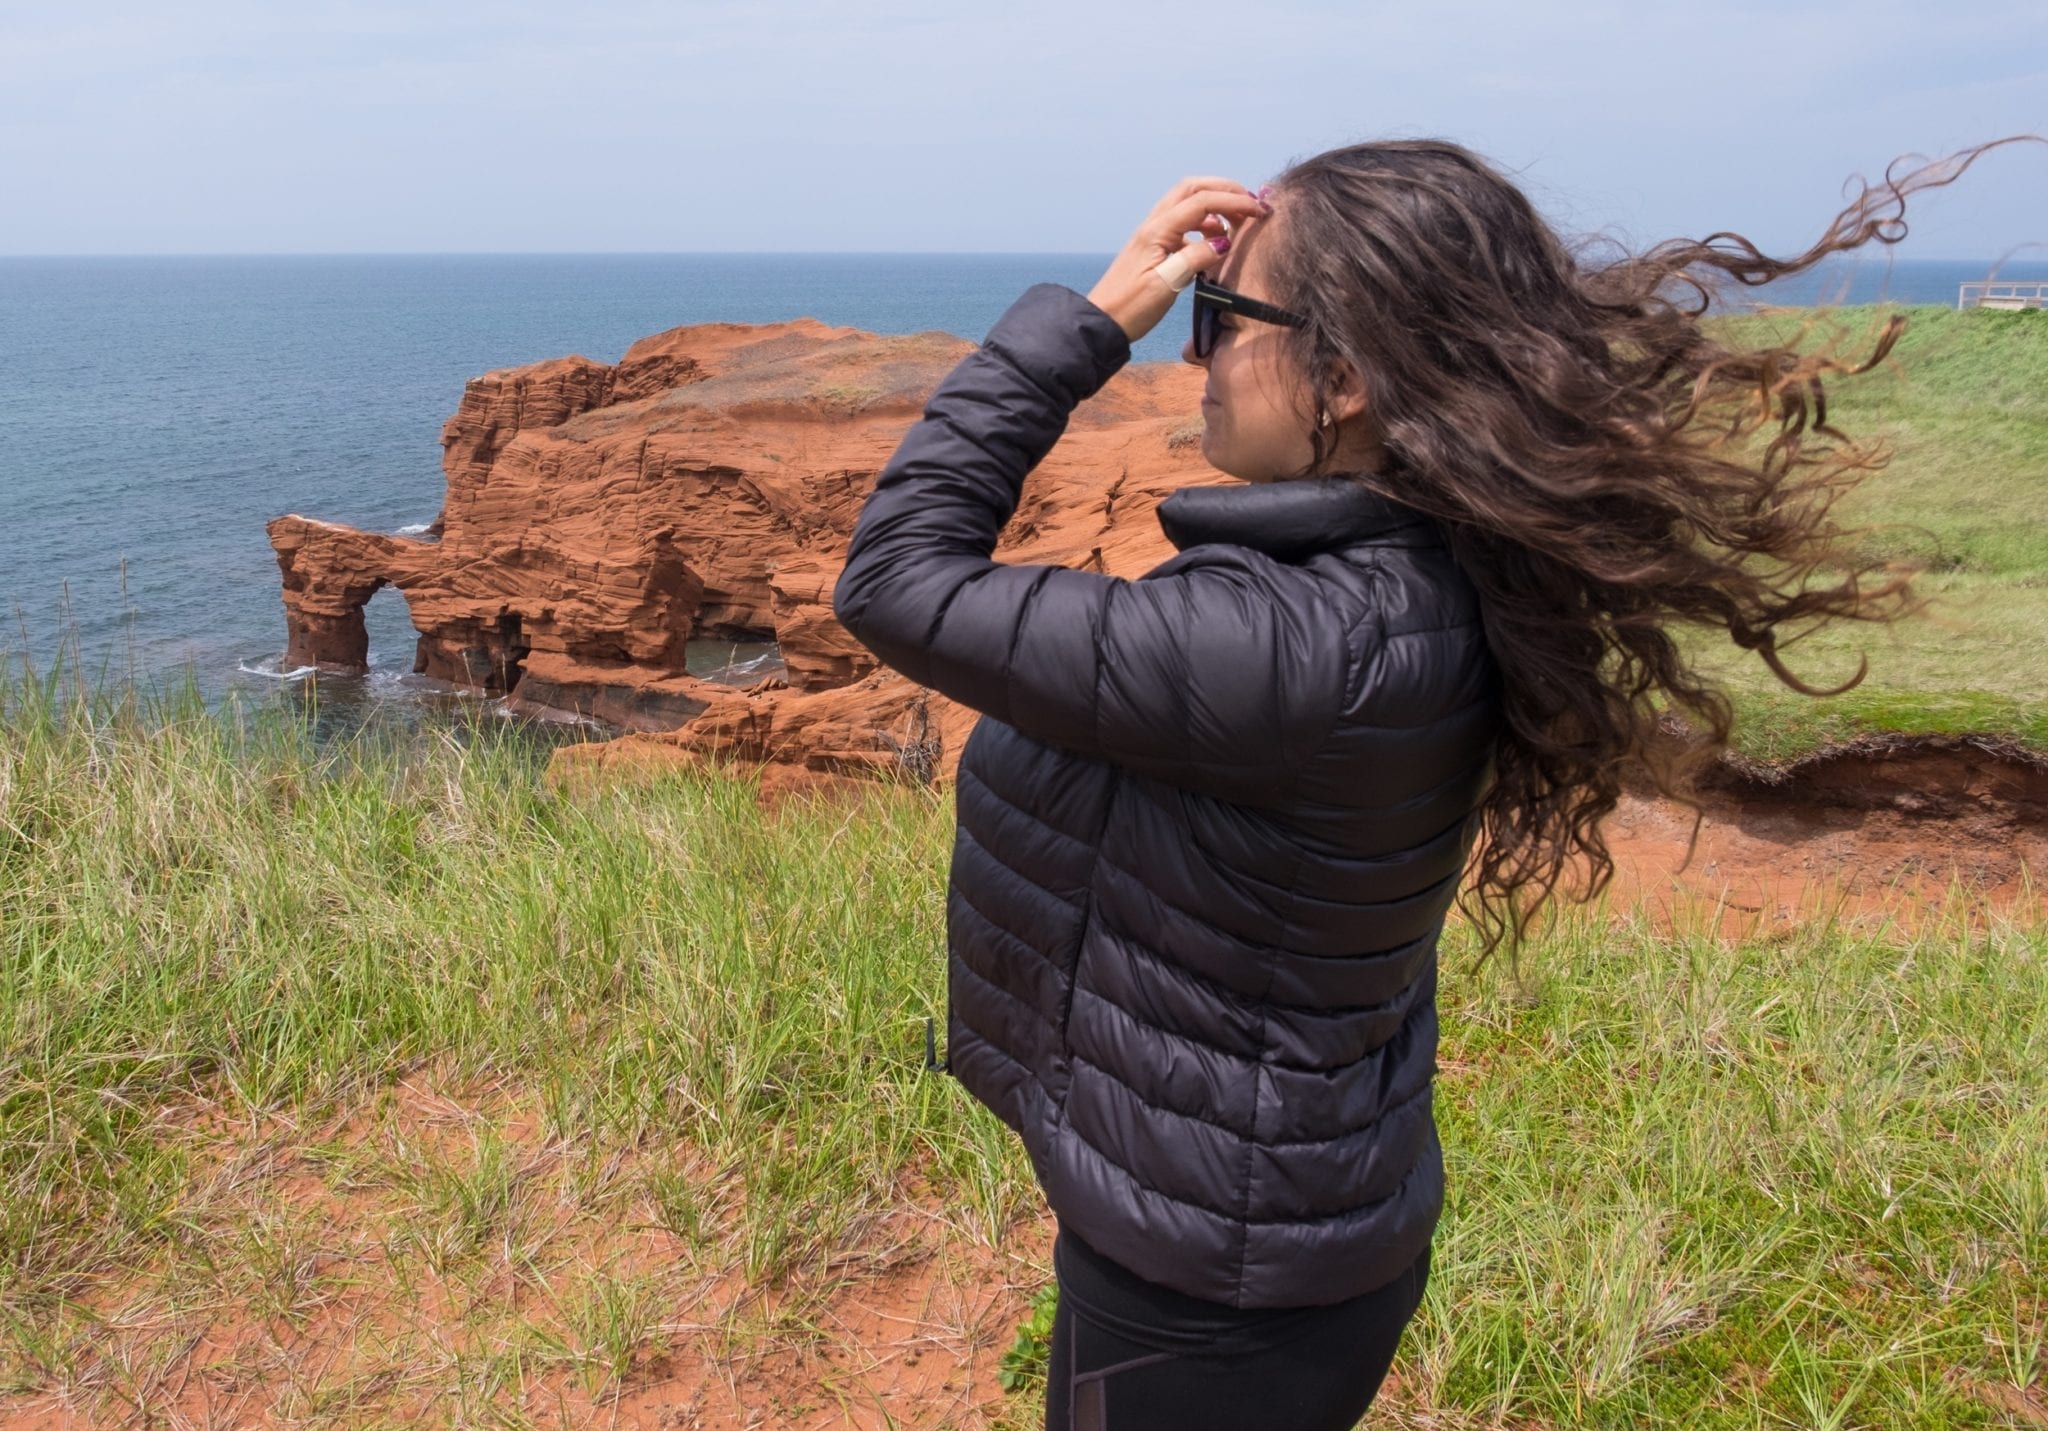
(1324, 420)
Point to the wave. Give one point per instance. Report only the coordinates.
(414, 530)
(542, 715)
(274, 668)
(740, 670)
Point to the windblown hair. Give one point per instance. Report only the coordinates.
(1587, 447)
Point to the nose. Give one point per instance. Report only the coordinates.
(1187, 353)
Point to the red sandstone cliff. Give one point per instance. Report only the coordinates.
(598, 518)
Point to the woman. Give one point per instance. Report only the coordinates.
(1213, 820)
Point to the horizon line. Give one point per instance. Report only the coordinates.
(793, 253)
(596, 253)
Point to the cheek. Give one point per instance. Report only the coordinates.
(1258, 384)
(1253, 431)
(1258, 412)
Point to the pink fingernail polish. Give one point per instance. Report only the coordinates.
(1221, 243)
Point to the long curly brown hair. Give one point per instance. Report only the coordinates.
(1585, 445)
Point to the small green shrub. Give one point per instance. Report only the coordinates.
(1024, 1364)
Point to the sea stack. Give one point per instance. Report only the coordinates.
(598, 518)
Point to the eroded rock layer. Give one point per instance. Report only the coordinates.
(597, 518)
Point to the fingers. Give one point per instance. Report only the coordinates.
(1180, 267)
(1195, 184)
(1192, 211)
(1202, 256)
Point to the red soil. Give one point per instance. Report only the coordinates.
(1896, 828)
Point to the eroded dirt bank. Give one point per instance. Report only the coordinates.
(1897, 825)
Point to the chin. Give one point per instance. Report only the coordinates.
(1215, 452)
(1220, 460)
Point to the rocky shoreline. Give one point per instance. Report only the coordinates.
(598, 518)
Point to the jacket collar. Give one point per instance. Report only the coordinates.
(1287, 520)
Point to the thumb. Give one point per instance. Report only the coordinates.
(1202, 256)
(1139, 296)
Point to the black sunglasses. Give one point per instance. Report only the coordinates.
(1213, 299)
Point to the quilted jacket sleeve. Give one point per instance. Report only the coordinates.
(1218, 671)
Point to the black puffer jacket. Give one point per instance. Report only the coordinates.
(1208, 831)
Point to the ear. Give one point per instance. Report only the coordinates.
(1346, 391)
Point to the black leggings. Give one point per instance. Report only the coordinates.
(1128, 1355)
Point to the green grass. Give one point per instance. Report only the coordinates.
(196, 921)
(1798, 1181)
(1962, 404)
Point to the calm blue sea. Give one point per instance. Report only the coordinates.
(156, 412)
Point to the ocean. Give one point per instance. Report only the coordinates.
(155, 413)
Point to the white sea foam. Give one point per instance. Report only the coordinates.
(274, 668)
(414, 530)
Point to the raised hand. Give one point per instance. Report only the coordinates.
(1133, 291)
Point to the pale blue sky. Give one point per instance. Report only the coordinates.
(255, 126)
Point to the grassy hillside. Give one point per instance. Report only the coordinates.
(1963, 405)
(291, 1047)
